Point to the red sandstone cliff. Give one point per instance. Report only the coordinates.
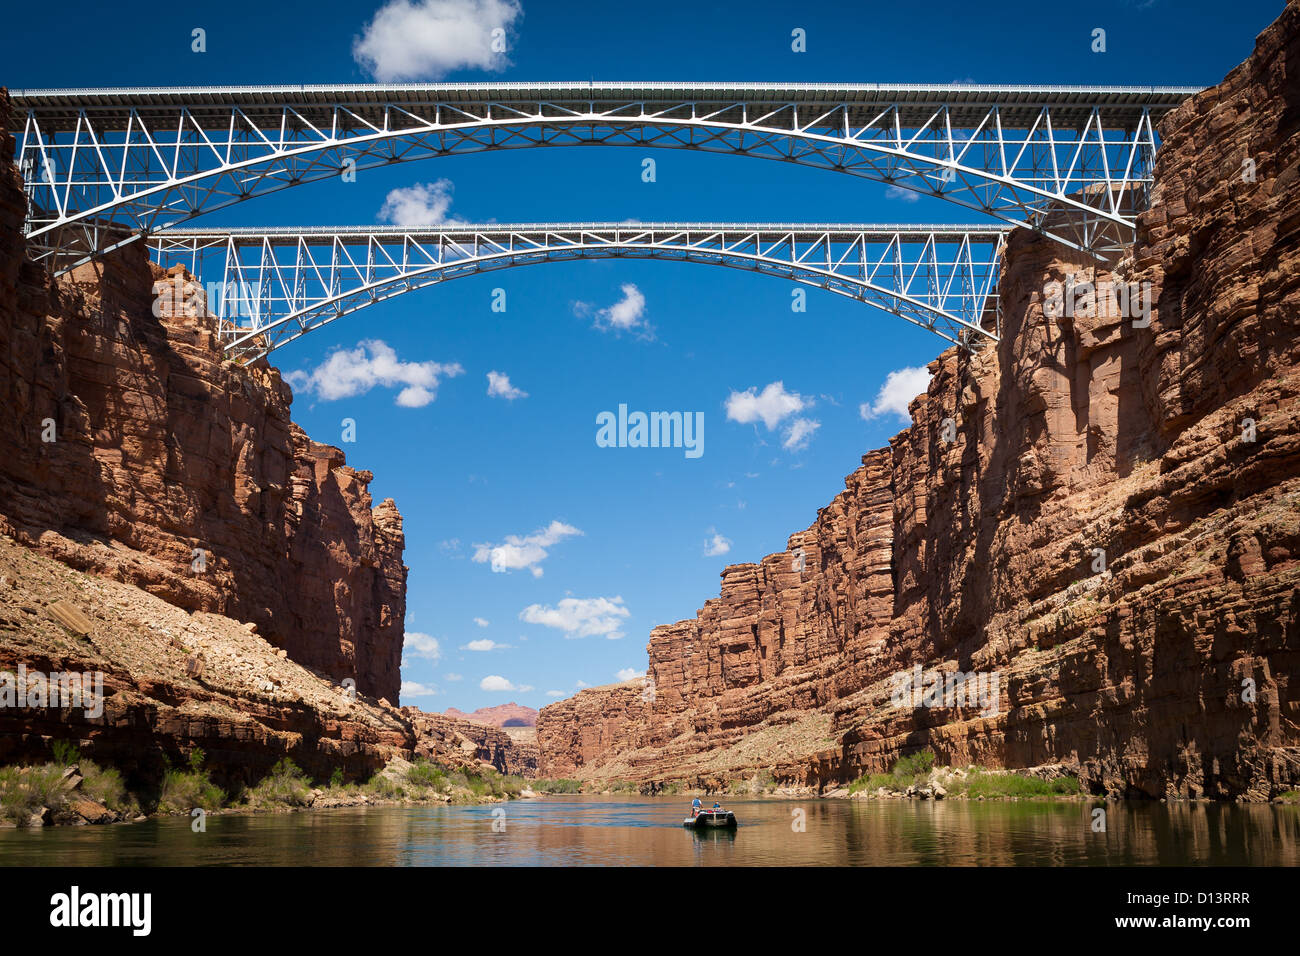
(1074, 434)
(502, 715)
(510, 750)
(161, 449)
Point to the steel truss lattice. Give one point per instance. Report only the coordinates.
(103, 167)
(270, 286)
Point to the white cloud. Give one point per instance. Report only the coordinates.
(524, 551)
(454, 677)
(625, 315)
(772, 406)
(901, 194)
(801, 432)
(412, 688)
(580, 617)
(426, 39)
(414, 396)
(484, 645)
(581, 684)
(555, 693)
(629, 673)
(499, 387)
(495, 682)
(482, 621)
(422, 646)
(901, 386)
(422, 204)
(350, 372)
(716, 545)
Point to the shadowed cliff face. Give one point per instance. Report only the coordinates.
(1102, 538)
(161, 450)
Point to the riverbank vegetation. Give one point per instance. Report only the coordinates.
(916, 775)
(67, 790)
(72, 790)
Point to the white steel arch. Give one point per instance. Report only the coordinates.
(104, 166)
(272, 286)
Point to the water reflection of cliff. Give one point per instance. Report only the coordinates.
(648, 831)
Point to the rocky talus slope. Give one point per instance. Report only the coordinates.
(174, 680)
(1113, 536)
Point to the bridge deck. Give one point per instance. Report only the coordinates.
(59, 109)
(803, 231)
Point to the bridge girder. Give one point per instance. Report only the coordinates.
(103, 167)
(279, 284)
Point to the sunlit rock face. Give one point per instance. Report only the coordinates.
(1112, 530)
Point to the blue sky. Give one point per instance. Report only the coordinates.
(631, 537)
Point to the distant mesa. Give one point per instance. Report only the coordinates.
(502, 715)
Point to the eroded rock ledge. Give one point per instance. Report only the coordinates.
(977, 555)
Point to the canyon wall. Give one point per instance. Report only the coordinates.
(590, 727)
(510, 750)
(130, 447)
(501, 715)
(1113, 537)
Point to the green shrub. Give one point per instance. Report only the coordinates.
(872, 782)
(911, 766)
(562, 785)
(65, 753)
(386, 787)
(502, 785)
(424, 773)
(285, 785)
(336, 778)
(906, 772)
(184, 790)
(25, 790)
(980, 783)
(104, 785)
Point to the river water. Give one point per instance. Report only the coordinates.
(602, 830)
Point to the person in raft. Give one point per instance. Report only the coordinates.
(695, 807)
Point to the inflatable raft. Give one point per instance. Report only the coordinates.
(711, 818)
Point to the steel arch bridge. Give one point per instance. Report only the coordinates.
(105, 166)
(279, 284)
